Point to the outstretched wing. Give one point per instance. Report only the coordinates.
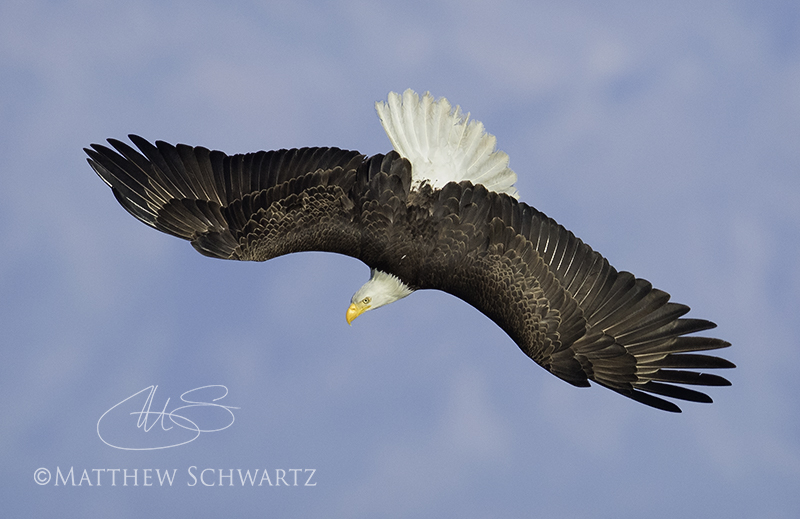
(563, 304)
(254, 206)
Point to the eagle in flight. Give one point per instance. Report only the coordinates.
(438, 212)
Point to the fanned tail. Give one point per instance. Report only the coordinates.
(442, 144)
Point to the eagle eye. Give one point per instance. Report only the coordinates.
(366, 300)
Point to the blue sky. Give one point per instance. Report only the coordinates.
(665, 136)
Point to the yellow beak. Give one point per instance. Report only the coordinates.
(354, 311)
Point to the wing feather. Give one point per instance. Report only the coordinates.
(215, 200)
(566, 307)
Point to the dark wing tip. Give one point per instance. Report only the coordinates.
(649, 400)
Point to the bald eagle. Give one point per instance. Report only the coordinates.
(440, 211)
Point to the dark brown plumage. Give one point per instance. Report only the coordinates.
(560, 301)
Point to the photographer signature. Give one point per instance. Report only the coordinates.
(176, 427)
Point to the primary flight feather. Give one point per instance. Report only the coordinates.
(439, 212)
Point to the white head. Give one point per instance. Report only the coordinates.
(381, 289)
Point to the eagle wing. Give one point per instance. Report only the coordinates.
(563, 304)
(253, 206)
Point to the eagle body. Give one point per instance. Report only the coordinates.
(462, 231)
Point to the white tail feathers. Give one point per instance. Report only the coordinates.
(442, 144)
